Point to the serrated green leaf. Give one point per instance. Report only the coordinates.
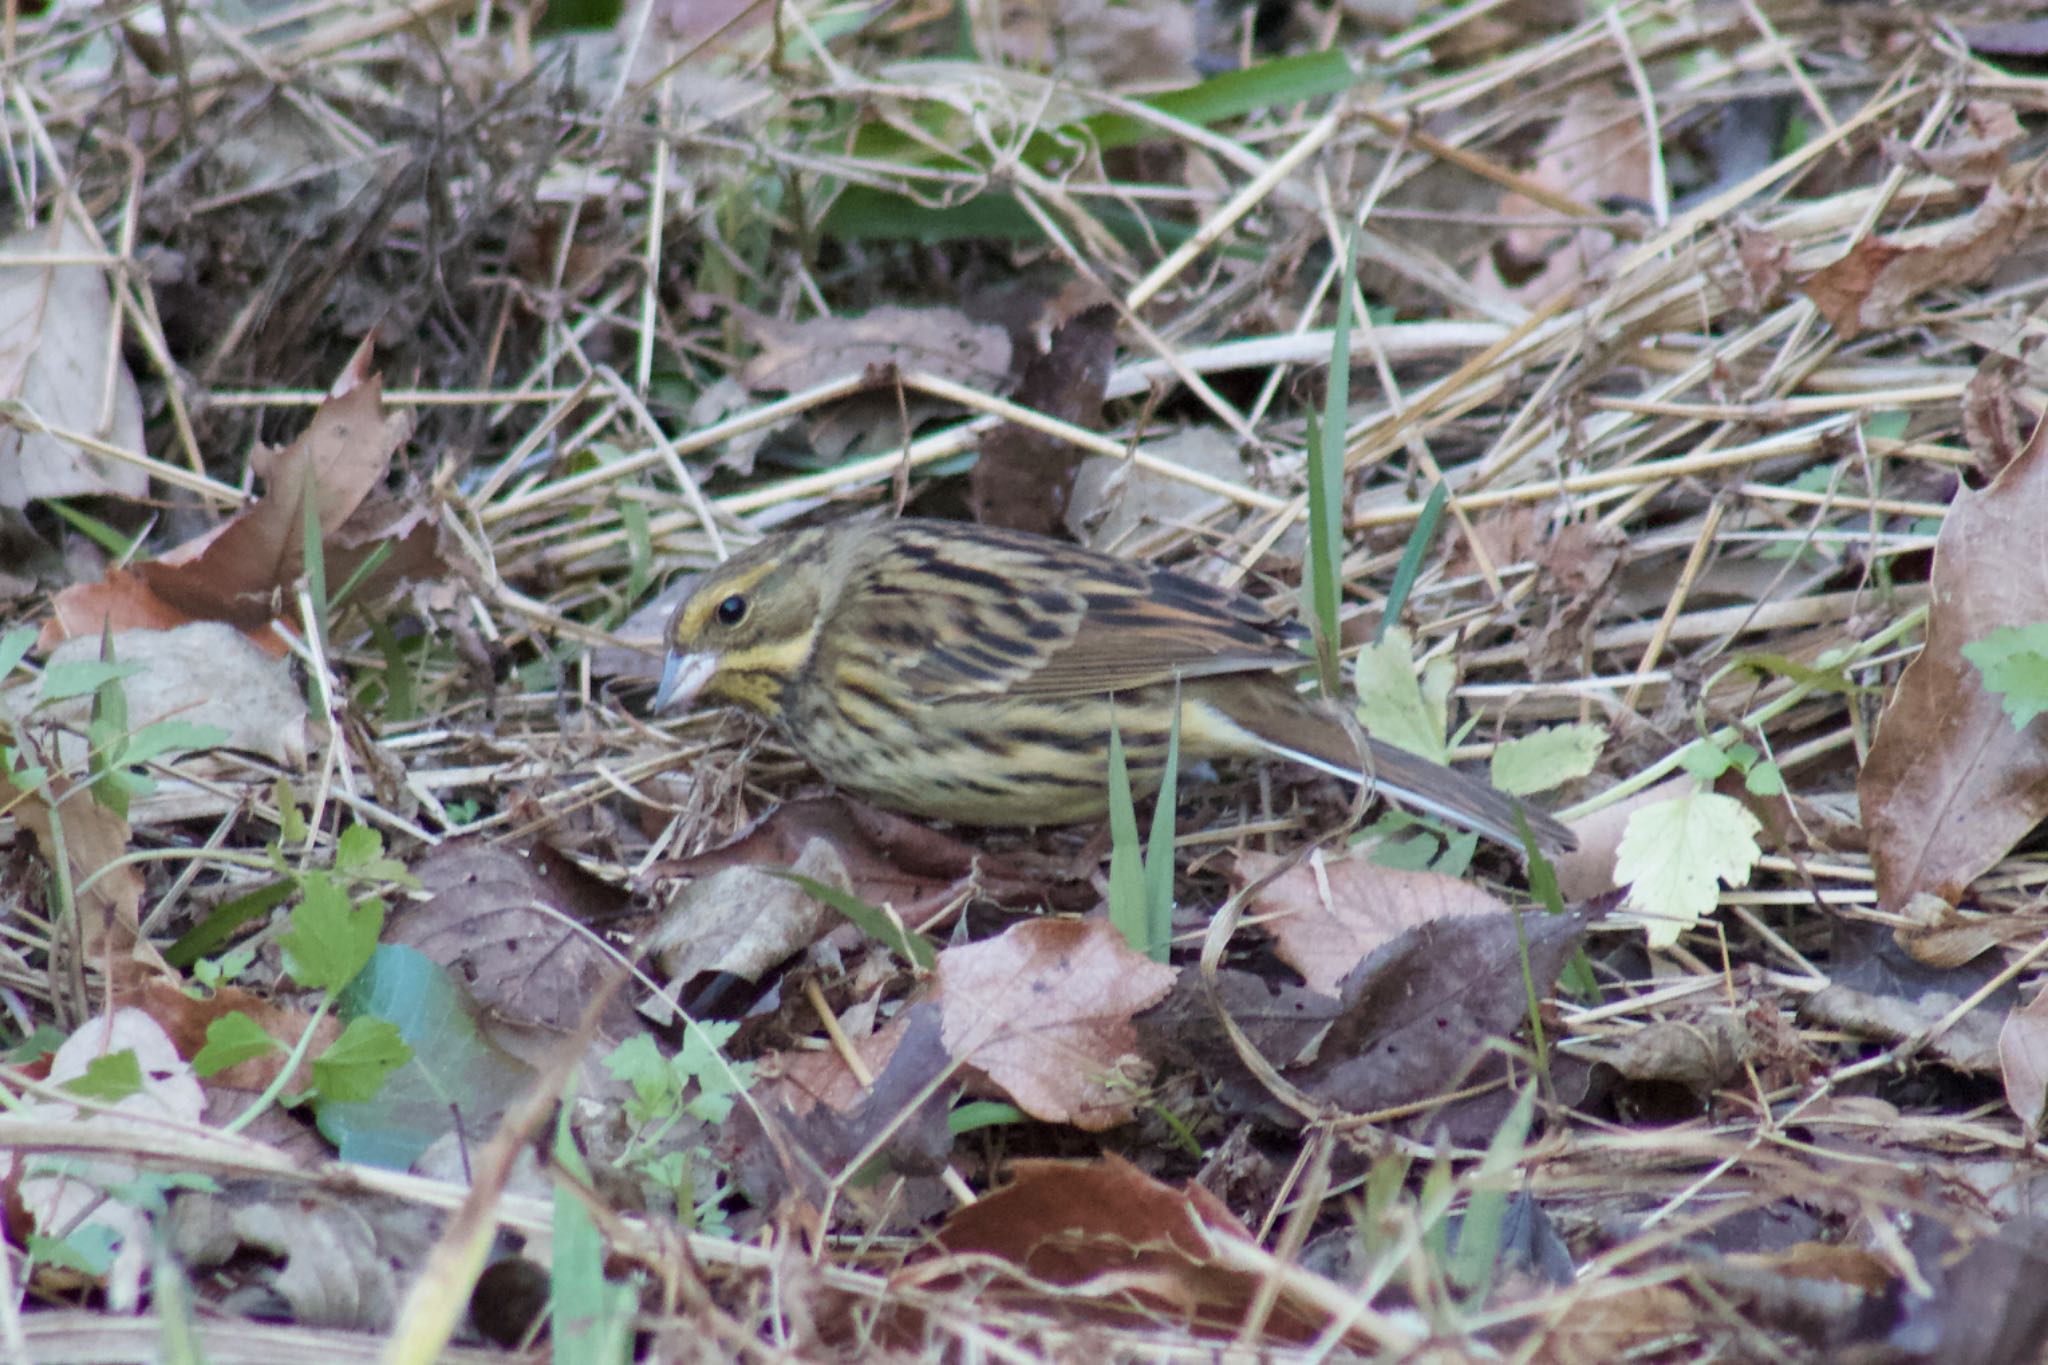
(1547, 758)
(331, 938)
(1675, 856)
(353, 1069)
(232, 1039)
(109, 1079)
(2013, 661)
(1395, 705)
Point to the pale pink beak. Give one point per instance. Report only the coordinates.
(682, 678)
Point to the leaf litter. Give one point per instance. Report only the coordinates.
(1719, 325)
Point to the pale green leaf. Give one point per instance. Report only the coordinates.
(1395, 706)
(1547, 758)
(1676, 854)
(2014, 663)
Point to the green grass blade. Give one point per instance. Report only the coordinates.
(1412, 554)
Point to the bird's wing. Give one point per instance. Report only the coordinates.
(1015, 615)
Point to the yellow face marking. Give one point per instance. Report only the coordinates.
(753, 676)
(695, 626)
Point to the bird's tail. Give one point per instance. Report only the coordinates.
(1293, 727)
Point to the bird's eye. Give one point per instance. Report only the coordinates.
(732, 610)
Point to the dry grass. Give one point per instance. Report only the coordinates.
(559, 257)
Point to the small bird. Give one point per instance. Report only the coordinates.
(969, 673)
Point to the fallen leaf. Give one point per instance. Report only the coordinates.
(1949, 786)
(1974, 154)
(1875, 284)
(1326, 915)
(516, 925)
(943, 341)
(1105, 1230)
(2023, 1060)
(1044, 1010)
(82, 1193)
(1676, 855)
(1024, 477)
(56, 328)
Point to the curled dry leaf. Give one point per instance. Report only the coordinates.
(943, 341)
(56, 328)
(1326, 915)
(1044, 1010)
(1949, 786)
(2023, 1060)
(107, 897)
(1104, 1230)
(242, 571)
(1874, 285)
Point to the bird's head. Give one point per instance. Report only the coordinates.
(748, 626)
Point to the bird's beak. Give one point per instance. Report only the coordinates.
(682, 678)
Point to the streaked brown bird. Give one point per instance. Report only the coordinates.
(967, 673)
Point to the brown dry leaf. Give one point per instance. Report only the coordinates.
(941, 341)
(1045, 1011)
(82, 1194)
(889, 860)
(1949, 786)
(2023, 1060)
(1940, 935)
(1607, 1327)
(746, 921)
(185, 1021)
(1975, 154)
(1766, 259)
(1024, 478)
(56, 325)
(1596, 151)
(1991, 416)
(1702, 1054)
(820, 1120)
(1112, 499)
(1326, 915)
(1578, 567)
(201, 673)
(1421, 1013)
(513, 925)
(1874, 285)
(333, 1262)
(240, 571)
(108, 899)
(1104, 1229)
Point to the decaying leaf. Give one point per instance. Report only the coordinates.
(57, 328)
(1044, 1010)
(1949, 786)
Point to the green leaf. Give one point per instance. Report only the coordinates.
(171, 736)
(88, 1249)
(14, 647)
(1159, 851)
(1127, 910)
(1396, 706)
(1412, 555)
(590, 1318)
(80, 677)
(354, 1067)
(331, 938)
(455, 1073)
(110, 1078)
(1764, 780)
(226, 920)
(231, 1040)
(982, 1114)
(657, 1090)
(1478, 1253)
(1706, 761)
(2013, 661)
(1676, 854)
(1325, 568)
(877, 924)
(1548, 758)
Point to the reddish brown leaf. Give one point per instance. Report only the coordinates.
(1325, 916)
(1875, 284)
(1949, 787)
(1106, 1229)
(1045, 1010)
(1024, 476)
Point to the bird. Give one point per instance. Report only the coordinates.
(971, 673)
